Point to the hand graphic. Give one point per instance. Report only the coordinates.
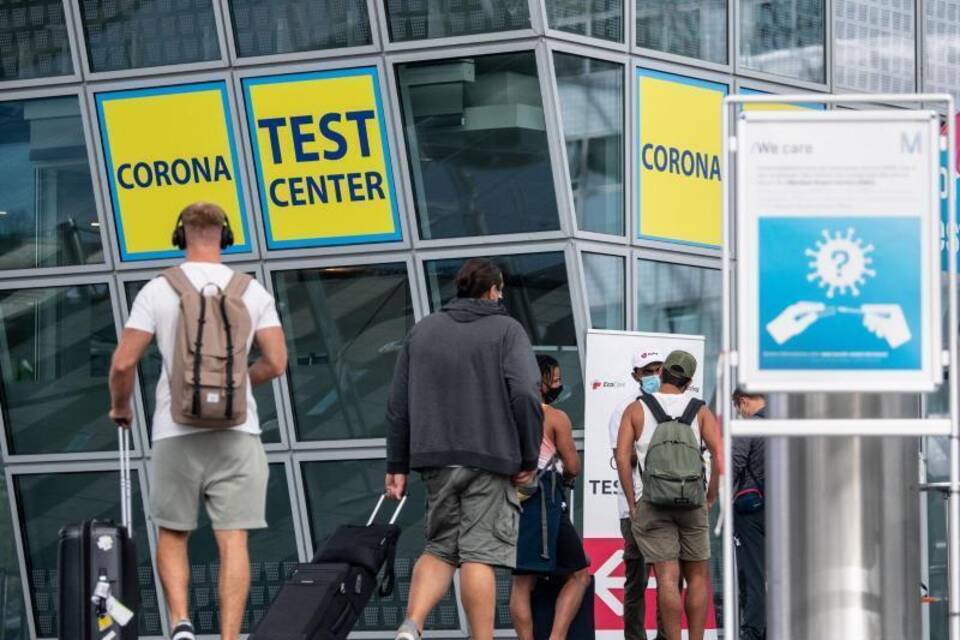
(888, 322)
(794, 320)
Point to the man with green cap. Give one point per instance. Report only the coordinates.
(675, 539)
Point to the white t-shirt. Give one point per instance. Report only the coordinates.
(615, 418)
(157, 310)
(674, 404)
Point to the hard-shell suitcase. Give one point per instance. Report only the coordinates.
(97, 564)
(323, 599)
(544, 602)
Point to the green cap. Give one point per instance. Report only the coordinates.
(681, 363)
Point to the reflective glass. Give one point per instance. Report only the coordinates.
(692, 28)
(55, 350)
(537, 294)
(151, 365)
(942, 47)
(783, 37)
(421, 19)
(273, 557)
(13, 616)
(345, 492)
(285, 26)
(48, 215)
(33, 40)
(594, 18)
(605, 282)
(674, 298)
(477, 141)
(874, 45)
(592, 109)
(48, 501)
(132, 34)
(344, 328)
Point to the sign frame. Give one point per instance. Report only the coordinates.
(750, 374)
(136, 88)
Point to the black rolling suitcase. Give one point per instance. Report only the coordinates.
(544, 601)
(97, 564)
(323, 599)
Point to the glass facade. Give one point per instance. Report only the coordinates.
(512, 129)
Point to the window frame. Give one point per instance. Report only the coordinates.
(646, 54)
(629, 295)
(575, 38)
(75, 76)
(389, 46)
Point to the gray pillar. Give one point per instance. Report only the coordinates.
(843, 530)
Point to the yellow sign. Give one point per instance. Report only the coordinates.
(164, 148)
(776, 106)
(678, 158)
(322, 158)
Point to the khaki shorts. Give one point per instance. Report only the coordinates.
(226, 469)
(472, 516)
(668, 535)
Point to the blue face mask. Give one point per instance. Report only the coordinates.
(650, 384)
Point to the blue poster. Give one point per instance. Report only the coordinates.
(840, 293)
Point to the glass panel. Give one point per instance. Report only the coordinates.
(594, 18)
(13, 616)
(592, 108)
(942, 47)
(537, 294)
(33, 40)
(285, 26)
(874, 44)
(421, 19)
(55, 350)
(477, 141)
(345, 492)
(48, 501)
(344, 328)
(151, 364)
(606, 290)
(673, 298)
(783, 37)
(48, 215)
(148, 33)
(273, 557)
(692, 28)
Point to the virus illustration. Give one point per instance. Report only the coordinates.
(840, 263)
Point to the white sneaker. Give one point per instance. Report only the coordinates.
(408, 631)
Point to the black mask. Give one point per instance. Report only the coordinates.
(552, 394)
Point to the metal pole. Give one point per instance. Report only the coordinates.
(730, 631)
(954, 504)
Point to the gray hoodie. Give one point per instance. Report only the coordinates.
(466, 393)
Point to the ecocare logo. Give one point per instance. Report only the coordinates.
(605, 384)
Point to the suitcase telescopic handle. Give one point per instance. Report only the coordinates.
(396, 512)
(126, 500)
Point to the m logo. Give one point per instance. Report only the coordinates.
(908, 145)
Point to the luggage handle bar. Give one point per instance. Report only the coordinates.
(126, 499)
(396, 512)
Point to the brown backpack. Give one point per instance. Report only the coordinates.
(208, 383)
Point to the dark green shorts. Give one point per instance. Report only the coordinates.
(472, 516)
(667, 535)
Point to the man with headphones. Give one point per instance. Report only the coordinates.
(225, 466)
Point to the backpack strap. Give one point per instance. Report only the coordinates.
(655, 408)
(235, 288)
(183, 287)
(238, 285)
(690, 414)
(179, 282)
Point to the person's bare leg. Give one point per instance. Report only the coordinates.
(668, 597)
(697, 575)
(478, 590)
(234, 581)
(174, 569)
(520, 608)
(568, 603)
(431, 581)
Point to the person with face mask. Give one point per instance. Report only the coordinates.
(647, 363)
(559, 464)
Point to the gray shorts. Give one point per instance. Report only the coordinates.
(668, 535)
(472, 516)
(226, 469)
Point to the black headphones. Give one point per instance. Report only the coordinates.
(179, 237)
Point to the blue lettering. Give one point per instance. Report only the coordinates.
(317, 189)
(201, 169)
(360, 118)
(355, 186)
(674, 160)
(660, 158)
(374, 183)
(680, 161)
(273, 193)
(644, 156)
(686, 163)
(220, 169)
(334, 137)
(160, 173)
(142, 175)
(336, 178)
(701, 164)
(125, 185)
(182, 177)
(296, 192)
(272, 125)
(299, 138)
(715, 168)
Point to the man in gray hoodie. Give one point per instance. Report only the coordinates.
(464, 411)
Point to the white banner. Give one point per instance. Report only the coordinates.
(608, 384)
